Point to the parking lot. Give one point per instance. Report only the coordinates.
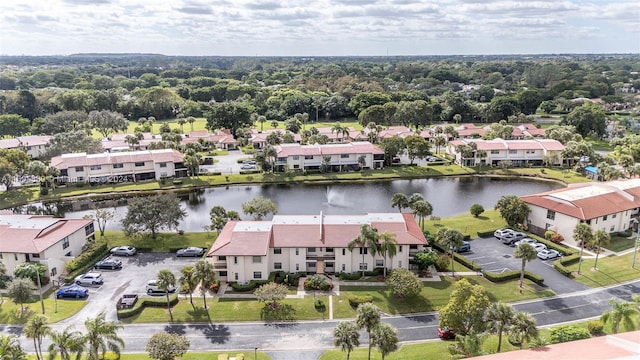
(131, 279)
(492, 255)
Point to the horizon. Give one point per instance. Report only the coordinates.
(325, 28)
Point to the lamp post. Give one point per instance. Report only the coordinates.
(39, 288)
(635, 250)
(255, 354)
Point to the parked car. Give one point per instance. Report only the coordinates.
(432, 159)
(396, 160)
(152, 287)
(511, 238)
(250, 162)
(123, 251)
(90, 278)
(190, 251)
(466, 246)
(446, 334)
(108, 263)
(548, 254)
(539, 246)
(73, 291)
(502, 232)
(247, 167)
(529, 241)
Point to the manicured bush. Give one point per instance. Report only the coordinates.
(355, 300)
(595, 327)
(567, 333)
(250, 286)
(94, 252)
(485, 234)
(511, 275)
(557, 238)
(561, 265)
(443, 262)
(350, 276)
(562, 249)
(147, 302)
(318, 282)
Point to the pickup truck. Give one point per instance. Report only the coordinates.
(127, 301)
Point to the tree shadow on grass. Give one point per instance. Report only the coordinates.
(198, 314)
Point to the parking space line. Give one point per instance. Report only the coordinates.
(489, 263)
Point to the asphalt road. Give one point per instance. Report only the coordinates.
(306, 340)
(493, 255)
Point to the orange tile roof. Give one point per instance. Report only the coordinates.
(33, 234)
(66, 161)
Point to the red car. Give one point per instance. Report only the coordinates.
(446, 334)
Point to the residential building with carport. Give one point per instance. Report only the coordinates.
(314, 244)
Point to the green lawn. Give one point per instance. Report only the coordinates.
(599, 145)
(165, 242)
(611, 270)
(213, 355)
(467, 224)
(10, 313)
(619, 243)
(563, 175)
(428, 350)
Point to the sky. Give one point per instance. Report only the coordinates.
(319, 27)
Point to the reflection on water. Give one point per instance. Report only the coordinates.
(449, 196)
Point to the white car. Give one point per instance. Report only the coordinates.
(529, 241)
(152, 287)
(123, 251)
(90, 278)
(548, 254)
(539, 246)
(502, 232)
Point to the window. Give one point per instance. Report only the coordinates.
(297, 251)
(297, 267)
(79, 168)
(163, 165)
(604, 218)
(296, 157)
(223, 273)
(277, 250)
(399, 263)
(531, 151)
(612, 229)
(89, 229)
(344, 156)
(329, 250)
(118, 166)
(277, 266)
(379, 263)
(344, 252)
(296, 166)
(139, 164)
(257, 259)
(236, 276)
(495, 152)
(96, 167)
(15, 257)
(35, 256)
(344, 267)
(308, 157)
(235, 259)
(613, 216)
(222, 258)
(0, 256)
(414, 247)
(363, 251)
(65, 243)
(54, 271)
(551, 215)
(311, 249)
(400, 248)
(513, 152)
(363, 266)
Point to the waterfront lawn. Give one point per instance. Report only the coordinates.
(612, 270)
(165, 242)
(10, 312)
(436, 349)
(489, 220)
(564, 175)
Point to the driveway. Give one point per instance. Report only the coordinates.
(492, 255)
(227, 164)
(131, 279)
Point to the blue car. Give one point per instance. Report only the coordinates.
(466, 246)
(73, 291)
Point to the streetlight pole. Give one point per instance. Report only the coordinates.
(255, 354)
(39, 288)
(635, 250)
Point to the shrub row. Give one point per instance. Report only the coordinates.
(459, 258)
(147, 302)
(485, 234)
(350, 276)
(256, 171)
(95, 252)
(562, 249)
(250, 286)
(561, 264)
(355, 300)
(510, 275)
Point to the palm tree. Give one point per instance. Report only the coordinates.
(65, 343)
(191, 120)
(10, 348)
(204, 273)
(449, 239)
(526, 252)
(338, 129)
(368, 239)
(166, 281)
(439, 141)
(583, 234)
(422, 209)
(600, 238)
(188, 280)
(400, 200)
(271, 153)
(101, 336)
(498, 317)
(385, 338)
(346, 336)
(368, 318)
(387, 246)
(415, 197)
(262, 119)
(620, 314)
(468, 345)
(36, 329)
(523, 328)
(181, 122)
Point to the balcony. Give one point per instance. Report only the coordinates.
(220, 265)
(321, 255)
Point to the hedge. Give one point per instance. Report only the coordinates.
(510, 275)
(562, 249)
(250, 286)
(561, 264)
(486, 234)
(77, 266)
(350, 276)
(355, 300)
(144, 302)
(459, 258)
